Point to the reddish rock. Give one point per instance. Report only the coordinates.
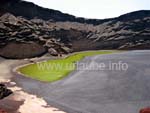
(2, 111)
(145, 110)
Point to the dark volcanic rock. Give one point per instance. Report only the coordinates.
(4, 92)
(22, 50)
(53, 52)
(22, 38)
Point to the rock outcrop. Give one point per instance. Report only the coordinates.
(4, 92)
(22, 38)
(2, 111)
(145, 110)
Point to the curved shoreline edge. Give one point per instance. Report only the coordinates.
(16, 69)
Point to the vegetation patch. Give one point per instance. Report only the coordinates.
(53, 70)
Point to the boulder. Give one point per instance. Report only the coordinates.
(53, 52)
(11, 19)
(25, 32)
(145, 110)
(2, 26)
(66, 50)
(4, 92)
(2, 111)
(22, 50)
(49, 44)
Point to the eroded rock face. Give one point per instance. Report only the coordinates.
(4, 92)
(22, 50)
(22, 38)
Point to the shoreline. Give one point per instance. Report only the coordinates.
(19, 79)
(15, 70)
(21, 101)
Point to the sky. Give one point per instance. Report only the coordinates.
(99, 9)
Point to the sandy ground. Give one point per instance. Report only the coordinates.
(21, 101)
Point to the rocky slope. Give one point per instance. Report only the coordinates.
(27, 30)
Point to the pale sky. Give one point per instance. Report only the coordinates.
(99, 9)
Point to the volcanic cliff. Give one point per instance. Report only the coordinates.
(28, 30)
